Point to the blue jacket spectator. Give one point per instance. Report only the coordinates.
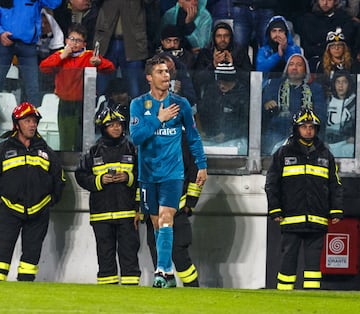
(196, 28)
(278, 46)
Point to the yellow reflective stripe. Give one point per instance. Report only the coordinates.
(336, 211)
(312, 274)
(118, 166)
(182, 202)
(305, 169)
(276, 210)
(4, 266)
(137, 197)
(35, 208)
(293, 220)
(13, 163)
(317, 219)
(286, 278)
(19, 208)
(31, 210)
(107, 280)
(131, 178)
(337, 174)
(194, 190)
(38, 161)
(18, 161)
(98, 183)
(113, 215)
(3, 277)
(311, 285)
(130, 280)
(281, 286)
(317, 171)
(27, 268)
(188, 275)
(293, 170)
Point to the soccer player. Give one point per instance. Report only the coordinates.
(156, 122)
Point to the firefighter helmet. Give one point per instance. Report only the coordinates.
(24, 110)
(305, 115)
(108, 115)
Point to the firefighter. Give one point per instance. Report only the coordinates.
(303, 190)
(109, 172)
(31, 181)
(185, 268)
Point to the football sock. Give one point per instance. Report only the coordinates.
(164, 245)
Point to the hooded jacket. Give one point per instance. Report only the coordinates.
(290, 98)
(268, 58)
(198, 32)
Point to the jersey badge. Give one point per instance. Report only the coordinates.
(148, 104)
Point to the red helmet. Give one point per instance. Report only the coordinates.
(24, 110)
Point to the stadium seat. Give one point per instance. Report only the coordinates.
(48, 126)
(7, 105)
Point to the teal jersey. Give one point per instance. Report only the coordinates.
(159, 144)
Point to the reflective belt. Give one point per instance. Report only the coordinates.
(30, 210)
(304, 218)
(113, 215)
(296, 170)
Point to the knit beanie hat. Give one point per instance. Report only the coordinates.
(334, 37)
(225, 72)
(278, 24)
(170, 31)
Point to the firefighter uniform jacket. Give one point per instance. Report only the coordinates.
(31, 179)
(113, 201)
(303, 187)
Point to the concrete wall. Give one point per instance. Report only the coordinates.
(229, 237)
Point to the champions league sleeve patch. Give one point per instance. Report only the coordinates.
(134, 121)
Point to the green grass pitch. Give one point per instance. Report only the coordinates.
(38, 297)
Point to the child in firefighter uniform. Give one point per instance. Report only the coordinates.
(303, 191)
(31, 180)
(184, 266)
(109, 172)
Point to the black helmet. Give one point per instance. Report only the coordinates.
(305, 115)
(108, 115)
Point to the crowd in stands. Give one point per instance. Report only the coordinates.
(197, 36)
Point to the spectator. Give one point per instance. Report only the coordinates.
(156, 122)
(193, 19)
(303, 190)
(20, 30)
(69, 64)
(337, 55)
(180, 81)
(250, 20)
(82, 12)
(185, 268)
(326, 15)
(223, 50)
(109, 172)
(341, 110)
(172, 42)
(116, 98)
(52, 37)
(121, 32)
(283, 97)
(224, 110)
(278, 47)
(31, 181)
